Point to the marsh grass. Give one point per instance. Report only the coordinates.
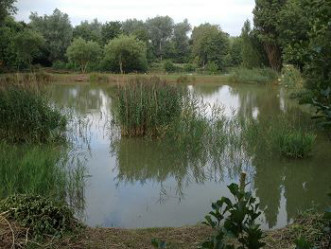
(284, 135)
(256, 75)
(146, 107)
(27, 116)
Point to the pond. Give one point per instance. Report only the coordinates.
(140, 183)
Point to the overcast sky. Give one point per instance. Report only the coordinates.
(229, 14)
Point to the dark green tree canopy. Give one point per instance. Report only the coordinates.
(210, 45)
(89, 31)
(7, 8)
(110, 30)
(160, 30)
(56, 30)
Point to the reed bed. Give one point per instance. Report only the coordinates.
(256, 75)
(27, 116)
(146, 107)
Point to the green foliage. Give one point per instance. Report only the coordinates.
(20, 45)
(43, 216)
(169, 67)
(189, 68)
(7, 8)
(31, 170)
(266, 14)
(212, 67)
(323, 108)
(89, 31)
(83, 53)
(291, 77)
(235, 219)
(257, 75)
(135, 27)
(235, 55)
(281, 135)
(160, 29)
(126, 54)
(181, 41)
(57, 32)
(210, 44)
(26, 116)
(294, 144)
(110, 30)
(147, 107)
(252, 54)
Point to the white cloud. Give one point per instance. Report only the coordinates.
(230, 15)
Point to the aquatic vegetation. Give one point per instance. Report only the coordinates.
(39, 170)
(27, 116)
(279, 135)
(291, 77)
(256, 75)
(145, 107)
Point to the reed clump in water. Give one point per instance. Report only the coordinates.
(27, 116)
(146, 107)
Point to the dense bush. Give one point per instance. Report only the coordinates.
(169, 67)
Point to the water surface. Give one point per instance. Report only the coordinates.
(137, 183)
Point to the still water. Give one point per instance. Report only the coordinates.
(135, 183)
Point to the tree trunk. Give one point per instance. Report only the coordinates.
(121, 64)
(274, 55)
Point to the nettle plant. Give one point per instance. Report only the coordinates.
(233, 222)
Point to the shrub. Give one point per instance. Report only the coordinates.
(189, 68)
(212, 67)
(26, 116)
(236, 219)
(169, 67)
(257, 75)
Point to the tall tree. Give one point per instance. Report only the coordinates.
(252, 51)
(19, 45)
(160, 30)
(181, 40)
(57, 31)
(110, 30)
(126, 54)
(266, 14)
(135, 27)
(6, 8)
(89, 31)
(210, 45)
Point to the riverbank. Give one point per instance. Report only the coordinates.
(307, 225)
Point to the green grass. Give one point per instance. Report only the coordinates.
(27, 116)
(256, 75)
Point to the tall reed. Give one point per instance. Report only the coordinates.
(147, 106)
(27, 116)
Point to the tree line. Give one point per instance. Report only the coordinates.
(296, 32)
